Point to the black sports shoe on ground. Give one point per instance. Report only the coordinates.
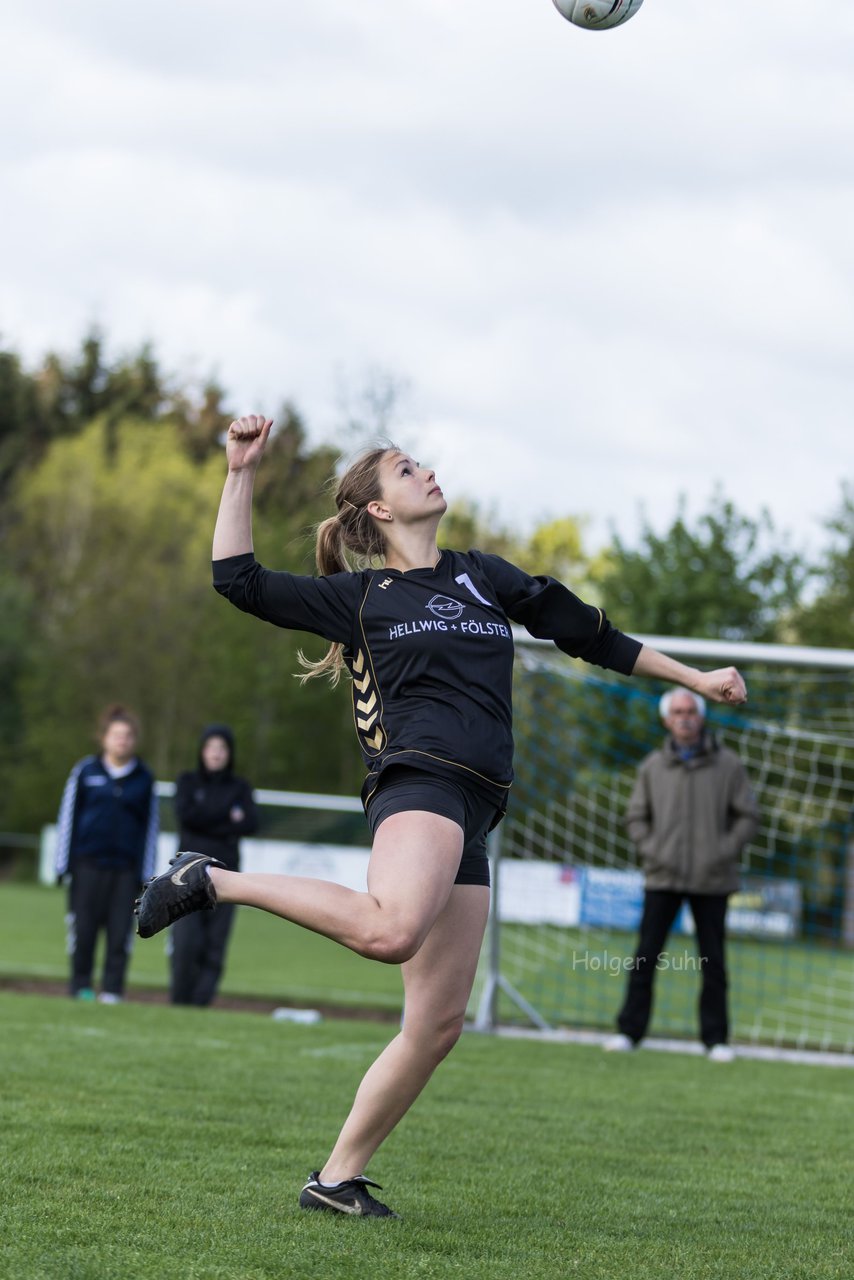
(350, 1197)
(186, 887)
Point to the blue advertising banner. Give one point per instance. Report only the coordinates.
(612, 899)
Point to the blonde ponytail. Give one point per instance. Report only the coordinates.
(347, 542)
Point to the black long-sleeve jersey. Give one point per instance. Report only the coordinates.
(430, 651)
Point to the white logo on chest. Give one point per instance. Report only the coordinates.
(465, 581)
(444, 607)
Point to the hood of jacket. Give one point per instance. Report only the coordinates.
(225, 732)
(705, 749)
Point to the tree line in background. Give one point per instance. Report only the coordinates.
(110, 475)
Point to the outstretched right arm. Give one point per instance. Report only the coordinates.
(244, 448)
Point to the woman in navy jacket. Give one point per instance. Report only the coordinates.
(106, 848)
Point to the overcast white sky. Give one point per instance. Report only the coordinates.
(613, 267)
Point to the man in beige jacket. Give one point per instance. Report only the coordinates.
(690, 814)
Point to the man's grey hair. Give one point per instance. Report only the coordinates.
(667, 698)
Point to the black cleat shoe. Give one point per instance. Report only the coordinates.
(350, 1197)
(186, 888)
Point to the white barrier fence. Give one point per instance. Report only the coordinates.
(529, 892)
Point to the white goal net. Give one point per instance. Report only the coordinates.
(569, 891)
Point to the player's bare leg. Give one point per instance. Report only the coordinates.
(411, 871)
(437, 984)
(413, 863)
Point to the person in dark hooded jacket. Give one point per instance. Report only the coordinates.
(214, 809)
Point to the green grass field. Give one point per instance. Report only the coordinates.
(780, 992)
(783, 993)
(267, 958)
(145, 1142)
(154, 1143)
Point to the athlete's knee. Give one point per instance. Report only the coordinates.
(436, 1037)
(392, 944)
(448, 1035)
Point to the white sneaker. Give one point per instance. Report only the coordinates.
(721, 1053)
(109, 997)
(619, 1044)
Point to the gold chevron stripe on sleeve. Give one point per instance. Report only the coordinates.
(359, 662)
(365, 725)
(367, 705)
(362, 685)
(376, 741)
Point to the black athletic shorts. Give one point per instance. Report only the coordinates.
(401, 789)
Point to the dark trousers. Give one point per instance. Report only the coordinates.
(660, 908)
(100, 898)
(199, 943)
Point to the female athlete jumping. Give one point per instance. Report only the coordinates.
(425, 636)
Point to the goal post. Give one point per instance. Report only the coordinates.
(569, 888)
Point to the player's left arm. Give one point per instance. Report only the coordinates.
(724, 685)
(550, 611)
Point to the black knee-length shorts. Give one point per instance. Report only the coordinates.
(402, 789)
